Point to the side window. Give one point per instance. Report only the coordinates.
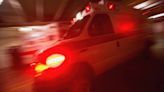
(76, 29)
(100, 25)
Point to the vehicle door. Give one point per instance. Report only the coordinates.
(78, 40)
(103, 41)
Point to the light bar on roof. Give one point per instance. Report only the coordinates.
(142, 5)
(152, 5)
(156, 16)
(79, 16)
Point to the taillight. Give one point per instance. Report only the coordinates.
(55, 60)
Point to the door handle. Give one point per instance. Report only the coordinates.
(118, 44)
(83, 50)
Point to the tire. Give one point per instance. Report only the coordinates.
(82, 78)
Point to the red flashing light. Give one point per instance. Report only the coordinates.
(53, 61)
(110, 6)
(88, 8)
(55, 58)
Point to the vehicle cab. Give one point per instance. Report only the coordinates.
(100, 38)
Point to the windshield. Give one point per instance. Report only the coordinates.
(76, 29)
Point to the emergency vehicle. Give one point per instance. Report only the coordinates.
(102, 37)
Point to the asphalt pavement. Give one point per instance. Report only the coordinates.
(137, 76)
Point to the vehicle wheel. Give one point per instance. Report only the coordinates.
(82, 79)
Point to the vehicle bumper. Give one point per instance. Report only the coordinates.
(53, 80)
